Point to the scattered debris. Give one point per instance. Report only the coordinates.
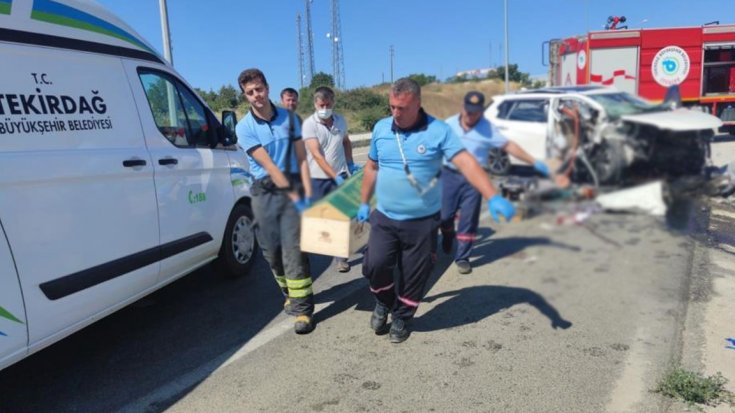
(732, 343)
(647, 198)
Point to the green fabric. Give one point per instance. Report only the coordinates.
(299, 288)
(281, 280)
(346, 198)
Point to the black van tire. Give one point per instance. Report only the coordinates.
(239, 245)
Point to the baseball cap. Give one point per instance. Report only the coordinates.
(474, 101)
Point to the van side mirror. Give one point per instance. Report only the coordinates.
(229, 121)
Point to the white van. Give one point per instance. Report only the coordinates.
(115, 178)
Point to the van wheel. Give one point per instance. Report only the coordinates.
(498, 162)
(239, 245)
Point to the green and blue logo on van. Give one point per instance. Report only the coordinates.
(197, 197)
(5, 6)
(53, 12)
(8, 315)
(239, 176)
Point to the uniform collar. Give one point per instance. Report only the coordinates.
(261, 120)
(421, 124)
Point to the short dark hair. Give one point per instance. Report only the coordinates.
(324, 93)
(251, 75)
(406, 85)
(289, 91)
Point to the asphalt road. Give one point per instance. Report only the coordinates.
(554, 318)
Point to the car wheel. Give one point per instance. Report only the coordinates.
(498, 162)
(609, 162)
(239, 245)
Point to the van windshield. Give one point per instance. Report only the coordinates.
(619, 104)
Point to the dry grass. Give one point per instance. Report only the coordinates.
(442, 100)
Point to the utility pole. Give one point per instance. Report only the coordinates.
(309, 43)
(300, 49)
(491, 53)
(507, 54)
(166, 33)
(392, 54)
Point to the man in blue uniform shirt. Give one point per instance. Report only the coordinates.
(403, 168)
(271, 137)
(478, 136)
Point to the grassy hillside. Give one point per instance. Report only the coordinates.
(440, 100)
(443, 100)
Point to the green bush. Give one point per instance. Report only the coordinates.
(360, 99)
(370, 116)
(694, 387)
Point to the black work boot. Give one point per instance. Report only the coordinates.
(399, 330)
(464, 267)
(303, 324)
(379, 319)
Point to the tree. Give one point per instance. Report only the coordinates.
(514, 75)
(321, 79)
(209, 97)
(422, 79)
(227, 98)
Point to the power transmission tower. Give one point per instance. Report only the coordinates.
(300, 49)
(338, 63)
(309, 43)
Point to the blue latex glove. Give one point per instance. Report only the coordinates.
(353, 168)
(541, 168)
(499, 205)
(302, 205)
(363, 213)
(339, 180)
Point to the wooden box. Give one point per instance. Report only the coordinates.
(330, 226)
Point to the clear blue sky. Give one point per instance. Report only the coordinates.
(214, 40)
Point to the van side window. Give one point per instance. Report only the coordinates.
(178, 114)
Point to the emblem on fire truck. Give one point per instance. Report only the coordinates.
(670, 66)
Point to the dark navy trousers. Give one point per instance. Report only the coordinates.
(409, 245)
(459, 196)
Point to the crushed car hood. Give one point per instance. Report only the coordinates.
(676, 120)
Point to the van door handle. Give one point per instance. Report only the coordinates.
(131, 163)
(168, 161)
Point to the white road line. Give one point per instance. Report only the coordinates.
(264, 337)
(188, 380)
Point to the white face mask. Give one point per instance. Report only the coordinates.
(324, 113)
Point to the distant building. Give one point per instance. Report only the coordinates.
(476, 73)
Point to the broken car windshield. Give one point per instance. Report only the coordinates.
(619, 104)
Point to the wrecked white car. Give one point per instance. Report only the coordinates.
(602, 135)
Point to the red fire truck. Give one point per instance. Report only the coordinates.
(645, 62)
